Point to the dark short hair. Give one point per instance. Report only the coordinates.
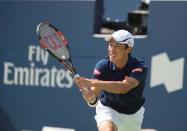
(126, 46)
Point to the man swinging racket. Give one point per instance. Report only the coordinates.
(117, 87)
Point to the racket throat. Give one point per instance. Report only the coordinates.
(69, 65)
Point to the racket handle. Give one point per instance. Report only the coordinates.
(87, 89)
(76, 75)
(89, 92)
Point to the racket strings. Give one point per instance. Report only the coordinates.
(60, 49)
(54, 42)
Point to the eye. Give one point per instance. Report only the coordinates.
(113, 45)
(110, 44)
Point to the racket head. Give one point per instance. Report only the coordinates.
(53, 41)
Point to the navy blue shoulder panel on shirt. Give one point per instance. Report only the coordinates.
(138, 70)
(101, 69)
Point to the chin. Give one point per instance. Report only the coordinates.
(112, 59)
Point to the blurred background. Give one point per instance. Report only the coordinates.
(37, 93)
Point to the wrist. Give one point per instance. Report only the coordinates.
(93, 103)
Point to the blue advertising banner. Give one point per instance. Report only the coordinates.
(36, 90)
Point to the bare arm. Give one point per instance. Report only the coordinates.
(119, 87)
(95, 86)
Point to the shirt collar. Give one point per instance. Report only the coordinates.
(126, 66)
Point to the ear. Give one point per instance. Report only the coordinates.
(129, 49)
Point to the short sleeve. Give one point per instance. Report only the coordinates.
(100, 70)
(139, 72)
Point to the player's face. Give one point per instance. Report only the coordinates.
(117, 52)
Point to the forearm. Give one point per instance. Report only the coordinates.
(118, 87)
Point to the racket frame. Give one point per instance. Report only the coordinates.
(67, 63)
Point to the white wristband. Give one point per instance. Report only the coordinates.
(94, 104)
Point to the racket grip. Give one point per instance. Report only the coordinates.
(89, 92)
(87, 89)
(76, 75)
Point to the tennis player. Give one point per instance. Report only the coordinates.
(117, 87)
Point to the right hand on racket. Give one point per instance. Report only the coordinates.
(87, 93)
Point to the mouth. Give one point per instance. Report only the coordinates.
(112, 55)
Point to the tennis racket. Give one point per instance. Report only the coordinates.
(54, 42)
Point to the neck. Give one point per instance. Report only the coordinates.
(121, 64)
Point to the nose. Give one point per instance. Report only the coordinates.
(111, 50)
(111, 47)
